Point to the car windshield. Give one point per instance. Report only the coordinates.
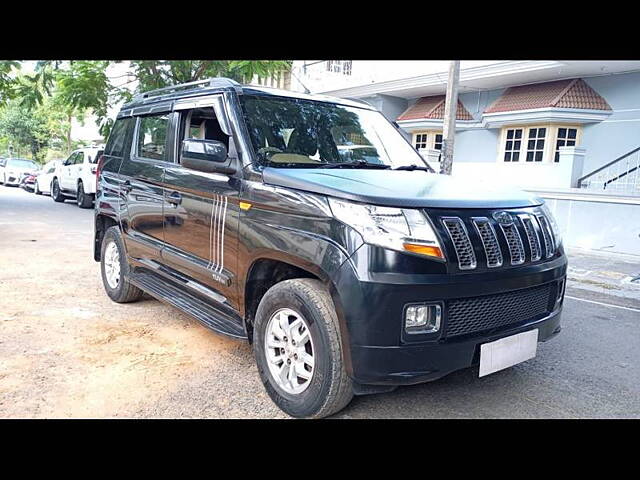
(291, 132)
(16, 163)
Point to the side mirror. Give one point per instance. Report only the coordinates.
(205, 156)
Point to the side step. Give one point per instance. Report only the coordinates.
(206, 314)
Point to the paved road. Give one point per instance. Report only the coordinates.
(66, 350)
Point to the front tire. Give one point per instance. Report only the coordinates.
(82, 199)
(56, 194)
(307, 378)
(114, 268)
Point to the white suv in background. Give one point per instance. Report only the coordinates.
(76, 177)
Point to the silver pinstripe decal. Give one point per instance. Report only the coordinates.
(224, 224)
(219, 204)
(210, 264)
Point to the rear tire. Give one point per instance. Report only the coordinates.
(36, 189)
(56, 194)
(329, 388)
(82, 199)
(113, 258)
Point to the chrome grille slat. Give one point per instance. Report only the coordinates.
(489, 241)
(516, 248)
(549, 245)
(461, 242)
(532, 236)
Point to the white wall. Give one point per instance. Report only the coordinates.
(364, 72)
(521, 174)
(597, 225)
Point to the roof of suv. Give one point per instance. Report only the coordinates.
(220, 84)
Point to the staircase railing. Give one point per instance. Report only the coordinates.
(621, 175)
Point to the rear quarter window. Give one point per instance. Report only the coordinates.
(117, 138)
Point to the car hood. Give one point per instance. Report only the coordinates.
(400, 188)
(19, 170)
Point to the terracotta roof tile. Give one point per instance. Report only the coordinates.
(432, 108)
(571, 93)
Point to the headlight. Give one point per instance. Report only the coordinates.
(554, 226)
(404, 230)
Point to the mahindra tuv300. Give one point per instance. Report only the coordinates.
(310, 227)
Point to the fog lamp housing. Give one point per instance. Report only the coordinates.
(423, 318)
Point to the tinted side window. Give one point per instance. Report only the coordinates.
(152, 137)
(79, 158)
(72, 159)
(117, 137)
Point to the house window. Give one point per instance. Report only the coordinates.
(535, 144)
(339, 66)
(437, 144)
(567, 137)
(421, 141)
(513, 145)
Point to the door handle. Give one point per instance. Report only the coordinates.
(174, 198)
(126, 186)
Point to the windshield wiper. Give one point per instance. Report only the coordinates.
(413, 167)
(355, 164)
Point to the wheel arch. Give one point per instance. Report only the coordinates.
(102, 224)
(269, 268)
(263, 273)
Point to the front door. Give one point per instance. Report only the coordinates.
(201, 212)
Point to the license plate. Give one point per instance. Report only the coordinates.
(508, 351)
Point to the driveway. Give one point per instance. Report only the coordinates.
(66, 350)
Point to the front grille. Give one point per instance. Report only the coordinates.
(461, 243)
(489, 241)
(534, 241)
(549, 246)
(516, 249)
(478, 314)
(498, 235)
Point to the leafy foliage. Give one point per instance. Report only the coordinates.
(6, 81)
(35, 129)
(58, 90)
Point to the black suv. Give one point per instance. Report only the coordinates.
(310, 227)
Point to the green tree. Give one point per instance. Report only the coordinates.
(6, 80)
(34, 129)
(83, 85)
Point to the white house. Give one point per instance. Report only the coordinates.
(537, 124)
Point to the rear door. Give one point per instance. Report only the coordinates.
(201, 209)
(65, 171)
(141, 177)
(74, 171)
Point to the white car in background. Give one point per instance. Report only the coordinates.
(13, 169)
(44, 177)
(76, 177)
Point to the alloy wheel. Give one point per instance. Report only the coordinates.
(289, 349)
(112, 264)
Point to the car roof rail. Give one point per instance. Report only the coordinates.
(216, 82)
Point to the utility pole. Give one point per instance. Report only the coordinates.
(450, 110)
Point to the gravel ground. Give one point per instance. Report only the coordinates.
(66, 350)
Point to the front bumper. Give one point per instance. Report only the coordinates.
(12, 180)
(411, 364)
(371, 306)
